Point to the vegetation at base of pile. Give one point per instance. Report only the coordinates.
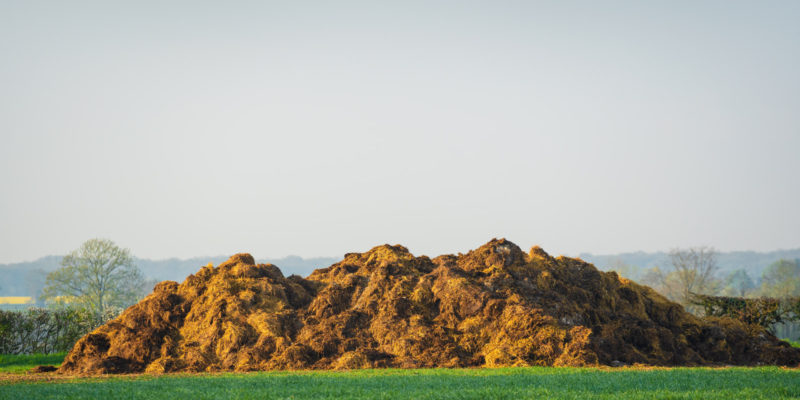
(47, 330)
(480, 383)
(19, 363)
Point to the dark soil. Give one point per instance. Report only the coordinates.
(40, 369)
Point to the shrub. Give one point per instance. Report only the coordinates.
(763, 311)
(46, 331)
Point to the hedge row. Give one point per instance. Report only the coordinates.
(763, 311)
(46, 331)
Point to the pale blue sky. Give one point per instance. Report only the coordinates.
(318, 128)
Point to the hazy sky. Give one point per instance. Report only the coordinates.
(318, 128)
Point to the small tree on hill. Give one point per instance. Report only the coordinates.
(738, 284)
(98, 276)
(781, 279)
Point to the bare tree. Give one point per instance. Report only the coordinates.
(690, 271)
(693, 271)
(696, 268)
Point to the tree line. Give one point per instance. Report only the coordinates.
(691, 277)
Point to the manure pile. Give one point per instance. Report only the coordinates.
(494, 306)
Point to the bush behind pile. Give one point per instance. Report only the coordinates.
(762, 311)
(46, 331)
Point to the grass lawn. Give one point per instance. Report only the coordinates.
(24, 362)
(503, 383)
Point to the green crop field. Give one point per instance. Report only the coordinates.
(24, 362)
(503, 383)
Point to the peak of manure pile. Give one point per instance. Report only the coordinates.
(494, 306)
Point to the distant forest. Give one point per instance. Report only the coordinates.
(635, 265)
(27, 278)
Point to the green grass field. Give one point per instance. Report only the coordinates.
(24, 362)
(503, 383)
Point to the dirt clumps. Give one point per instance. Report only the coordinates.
(494, 306)
(42, 369)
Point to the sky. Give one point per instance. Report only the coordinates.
(193, 128)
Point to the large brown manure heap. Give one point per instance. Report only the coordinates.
(494, 306)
